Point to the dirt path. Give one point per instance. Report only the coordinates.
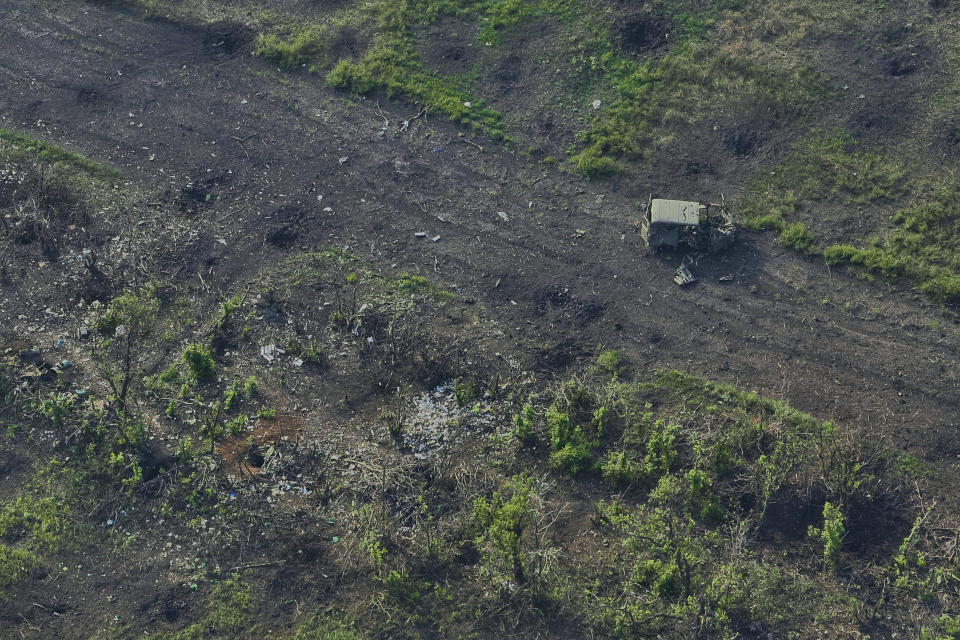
(564, 272)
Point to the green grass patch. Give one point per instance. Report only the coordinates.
(14, 564)
(831, 168)
(46, 152)
(390, 62)
(658, 97)
(924, 246)
(395, 68)
(410, 285)
(357, 279)
(324, 628)
(32, 528)
(826, 167)
(42, 524)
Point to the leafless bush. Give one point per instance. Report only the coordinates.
(6, 257)
(42, 203)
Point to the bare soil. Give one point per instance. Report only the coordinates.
(191, 116)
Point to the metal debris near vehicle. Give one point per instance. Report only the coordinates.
(683, 276)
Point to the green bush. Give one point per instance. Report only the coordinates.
(620, 471)
(797, 236)
(609, 362)
(500, 523)
(571, 451)
(136, 310)
(524, 429)
(200, 362)
(466, 390)
(839, 253)
(573, 458)
(267, 413)
(831, 534)
(14, 564)
(593, 164)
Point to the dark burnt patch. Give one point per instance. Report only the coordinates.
(89, 96)
(282, 237)
(509, 70)
(876, 119)
(198, 193)
(226, 39)
(558, 356)
(699, 167)
(349, 42)
(948, 136)
(643, 32)
(742, 141)
(902, 64)
(552, 296)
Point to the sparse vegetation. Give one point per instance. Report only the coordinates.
(328, 367)
(44, 152)
(656, 98)
(827, 167)
(831, 168)
(923, 246)
(390, 63)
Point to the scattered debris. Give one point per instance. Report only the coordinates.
(596, 104)
(727, 278)
(435, 238)
(436, 419)
(343, 159)
(683, 276)
(270, 352)
(503, 216)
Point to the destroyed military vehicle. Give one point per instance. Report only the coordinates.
(672, 223)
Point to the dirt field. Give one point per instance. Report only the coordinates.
(265, 165)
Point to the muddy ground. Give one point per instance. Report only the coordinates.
(555, 261)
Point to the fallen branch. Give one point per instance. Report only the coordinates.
(472, 144)
(422, 113)
(255, 566)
